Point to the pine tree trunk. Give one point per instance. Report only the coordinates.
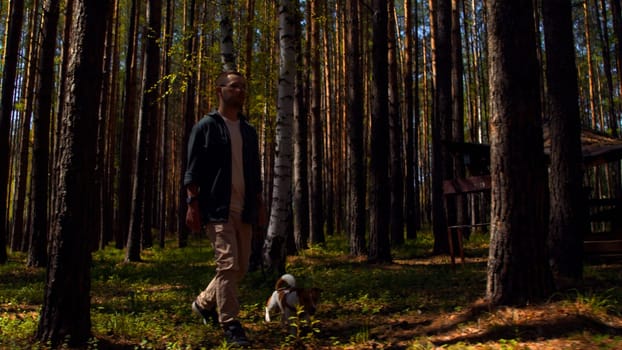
(395, 136)
(412, 210)
(189, 119)
(37, 254)
(518, 270)
(379, 245)
(317, 161)
(457, 110)
(594, 116)
(356, 120)
(568, 220)
(16, 18)
(21, 234)
(441, 125)
(616, 14)
(128, 133)
(140, 221)
(300, 203)
(65, 315)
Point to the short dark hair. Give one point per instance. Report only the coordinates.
(222, 77)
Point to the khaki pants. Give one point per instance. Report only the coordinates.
(232, 248)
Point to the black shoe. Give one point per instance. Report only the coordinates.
(209, 316)
(234, 334)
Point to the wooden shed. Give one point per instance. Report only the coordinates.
(605, 235)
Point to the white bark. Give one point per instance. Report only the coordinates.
(274, 253)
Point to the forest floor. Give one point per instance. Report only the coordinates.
(588, 317)
(416, 302)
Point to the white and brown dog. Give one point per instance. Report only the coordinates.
(286, 297)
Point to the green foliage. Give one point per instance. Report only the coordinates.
(146, 305)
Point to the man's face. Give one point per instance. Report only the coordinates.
(233, 92)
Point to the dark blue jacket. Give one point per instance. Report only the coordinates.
(209, 167)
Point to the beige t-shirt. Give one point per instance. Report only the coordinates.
(237, 166)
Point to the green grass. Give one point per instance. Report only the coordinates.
(146, 305)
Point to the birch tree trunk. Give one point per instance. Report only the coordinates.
(280, 213)
(226, 40)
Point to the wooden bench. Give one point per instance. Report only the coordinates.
(462, 187)
(606, 217)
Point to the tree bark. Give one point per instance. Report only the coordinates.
(65, 315)
(410, 97)
(379, 245)
(395, 136)
(568, 213)
(189, 118)
(518, 269)
(37, 254)
(16, 18)
(280, 213)
(356, 143)
(226, 39)
(300, 214)
(128, 133)
(441, 124)
(140, 221)
(317, 161)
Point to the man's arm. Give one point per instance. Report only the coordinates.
(193, 214)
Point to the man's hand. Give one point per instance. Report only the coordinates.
(193, 217)
(193, 214)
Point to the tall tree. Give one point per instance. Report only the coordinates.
(441, 120)
(595, 116)
(20, 234)
(300, 202)
(568, 219)
(317, 185)
(189, 116)
(165, 143)
(356, 140)
(518, 269)
(9, 71)
(616, 16)
(280, 213)
(107, 146)
(395, 134)
(140, 221)
(603, 34)
(379, 245)
(37, 253)
(128, 128)
(65, 315)
(457, 105)
(412, 203)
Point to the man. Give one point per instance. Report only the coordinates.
(223, 184)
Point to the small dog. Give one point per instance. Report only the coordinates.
(287, 296)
